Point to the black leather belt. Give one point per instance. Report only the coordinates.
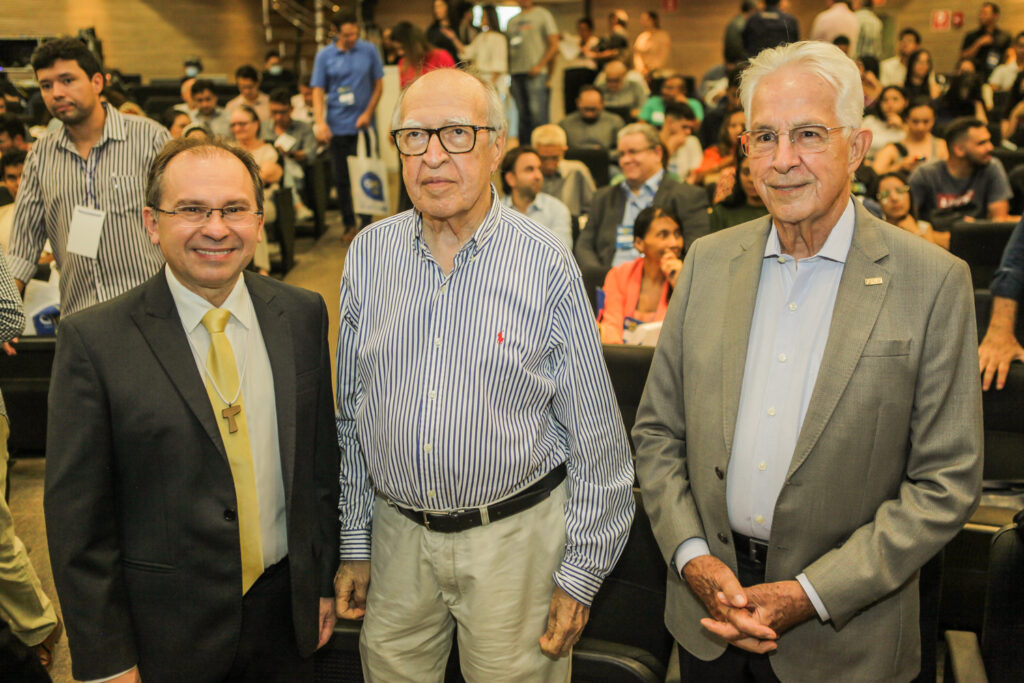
(754, 549)
(467, 518)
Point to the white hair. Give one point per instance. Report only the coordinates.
(824, 60)
(649, 132)
(495, 109)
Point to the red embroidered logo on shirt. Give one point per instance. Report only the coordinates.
(501, 338)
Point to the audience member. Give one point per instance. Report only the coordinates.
(174, 121)
(652, 46)
(245, 126)
(918, 147)
(711, 125)
(721, 155)
(418, 55)
(591, 126)
(302, 102)
(533, 44)
(869, 32)
(84, 181)
(999, 345)
(886, 119)
(192, 67)
(743, 203)
(638, 291)
(733, 51)
(488, 51)
(970, 183)
(440, 33)
(523, 351)
(275, 75)
(522, 182)
(615, 45)
(1005, 74)
(196, 129)
(581, 70)
(986, 45)
(843, 43)
(893, 71)
(786, 520)
(12, 164)
(13, 134)
(673, 89)
(868, 67)
(177, 401)
(215, 118)
(295, 142)
(898, 209)
(465, 30)
(920, 80)
(837, 20)
(621, 95)
(963, 97)
(247, 80)
(678, 135)
(347, 83)
(607, 240)
(769, 27)
(567, 179)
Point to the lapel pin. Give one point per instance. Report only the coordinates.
(872, 280)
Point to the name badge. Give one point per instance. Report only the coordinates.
(515, 41)
(624, 237)
(86, 228)
(657, 117)
(346, 97)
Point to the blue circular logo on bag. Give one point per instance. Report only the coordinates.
(372, 186)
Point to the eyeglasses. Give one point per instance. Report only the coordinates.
(805, 139)
(456, 139)
(633, 152)
(236, 124)
(197, 216)
(895, 192)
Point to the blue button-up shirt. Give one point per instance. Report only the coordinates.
(549, 212)
(458, 390)
(348, 78)
(635, 203)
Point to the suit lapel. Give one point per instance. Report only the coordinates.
(744, 277)
(158, 321)
(277, 337)
(862, 289)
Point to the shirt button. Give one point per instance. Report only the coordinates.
(792, 305)
(432, 394)
(427, 448)
(771, 411)
(782, 356)
(759, 519)
(437, 342)
(762, 465)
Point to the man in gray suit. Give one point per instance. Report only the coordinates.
(810, 434)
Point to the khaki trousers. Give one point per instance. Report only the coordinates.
(494, 581)
(23, 605)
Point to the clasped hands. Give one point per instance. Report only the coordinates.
(750, 618)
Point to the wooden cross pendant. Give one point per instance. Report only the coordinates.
(229, 414)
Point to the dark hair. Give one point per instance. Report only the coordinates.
(194, 61)
(249, 110)
(13, 126)
(170, 114)
(911, 32)
(44, 56)
(271, 53)
(841, 40)
(508, 164)
(654, 17)
(493, 21)
(588, 21)
(993, 6)
(919, 101)
(154, 184)
(281, 96)
(963, 87)
(643, 220)
(12, 157)
(203, 85)
(911, 61)
(414, 43)
(679, 110)
(590, 88)
(870, 64)
(902, 177)
(247, 71)
(748, 6)
(339, 19)
(726, 144)
(876, 108)
(958, 129)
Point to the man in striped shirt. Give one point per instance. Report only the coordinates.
(83, 185)
(469, 389)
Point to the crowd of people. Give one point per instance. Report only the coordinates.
(153, 222)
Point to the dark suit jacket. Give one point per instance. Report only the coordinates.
(595, 247)
(145, 554)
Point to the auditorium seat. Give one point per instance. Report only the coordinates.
(25, 383)
(628, 367)
(595, 159)
(1010, 158)
(981, 244)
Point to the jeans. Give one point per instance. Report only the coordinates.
(531, 95)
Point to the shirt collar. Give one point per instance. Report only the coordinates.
(837, 244)
(113, 129)
(480, 235)
(650, 187)
(192, 307)
(535, 204)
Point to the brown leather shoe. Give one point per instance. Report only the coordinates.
(44, 650)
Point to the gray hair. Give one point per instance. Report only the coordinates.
(824, 60)
(495, 109)
(649, 132)
(549, 134)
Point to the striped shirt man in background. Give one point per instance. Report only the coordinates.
(83, 185)
(479, 432)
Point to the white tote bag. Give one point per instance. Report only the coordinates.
(368, 178)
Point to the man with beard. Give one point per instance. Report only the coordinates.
(206, 111)
(83, 185)
(522, 181)
(591, 126)
(969, 184)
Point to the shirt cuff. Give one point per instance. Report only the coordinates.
(580, 584)
(108, 678)
(21, 269)
(687, 550)
(355, 545)
(812, 594)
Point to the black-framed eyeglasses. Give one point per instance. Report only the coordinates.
(198, 215)
(809, 139)
(459, 138)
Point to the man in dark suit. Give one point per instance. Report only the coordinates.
(192, 463)
(608, 238)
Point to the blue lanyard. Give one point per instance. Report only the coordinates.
(90, 176)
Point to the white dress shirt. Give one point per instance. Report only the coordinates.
(788, 334)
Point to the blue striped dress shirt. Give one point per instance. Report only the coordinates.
(457, 391)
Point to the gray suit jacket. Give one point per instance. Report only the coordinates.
(887, 466)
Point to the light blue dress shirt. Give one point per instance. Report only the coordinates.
(549, 212)
(635, 203)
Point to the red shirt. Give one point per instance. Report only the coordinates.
(435, 59)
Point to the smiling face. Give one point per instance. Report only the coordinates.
(206, 259)
(453, 188)
(663, 236)
(638, 159)
(803, 189)
(68, 93)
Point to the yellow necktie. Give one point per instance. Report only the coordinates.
(222, 372)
